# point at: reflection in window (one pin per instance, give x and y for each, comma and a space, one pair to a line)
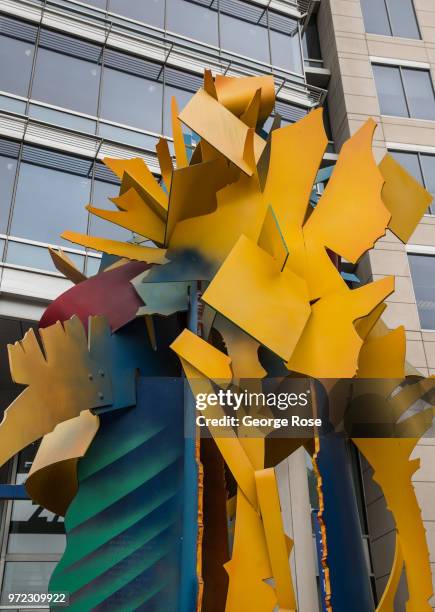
390, 18
421, 166
67, 80
192, 20
131, 100
100, 227
49, 200
423, 279
16, 65
8, 167
149, 11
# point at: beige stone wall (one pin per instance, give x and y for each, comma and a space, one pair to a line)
348, 51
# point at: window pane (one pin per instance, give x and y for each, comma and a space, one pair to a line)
141, 107
148, 11
410, 162
390, 90
8, 166
100, 227
310, 41
31, 256
27, 576
286, 51
403, 19
245, 38
15, 65
66, 81
375, 17
420, 94
33, 529
49, 202
422, 267
428, 166
183, 98
192, 20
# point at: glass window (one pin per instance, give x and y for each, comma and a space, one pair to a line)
390, 18
286, 51
131, 100
100, 227
183, 98
31, 256
16, 65
27, 576
402, 18
192, 20
66, 81
148, 11
246, 38
390, 90
421, 166
310, 41
410, 162
8, 167
423, 279
376, 17
33, 529
428, 167
419, 93
49, 201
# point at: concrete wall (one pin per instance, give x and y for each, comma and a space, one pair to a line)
348, 51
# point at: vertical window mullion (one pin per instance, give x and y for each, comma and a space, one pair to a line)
404, 91
388, 17
268, 37
13, 196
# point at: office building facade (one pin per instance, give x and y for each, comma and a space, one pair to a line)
83, 80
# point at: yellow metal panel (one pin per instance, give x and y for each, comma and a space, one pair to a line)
329, 346
404, 197
236, 93
66, 266
350, 216
220, 128
240, 210
165, 161
121, 249
193, 192
52, 480
251, 114
177, 135
295, 156
133, 214
387, 601
62, 382
393, 472
203, 356
135, 173
270, 305
383, 357
270, 509
271, 239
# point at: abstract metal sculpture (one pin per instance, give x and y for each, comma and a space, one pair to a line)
242, 257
